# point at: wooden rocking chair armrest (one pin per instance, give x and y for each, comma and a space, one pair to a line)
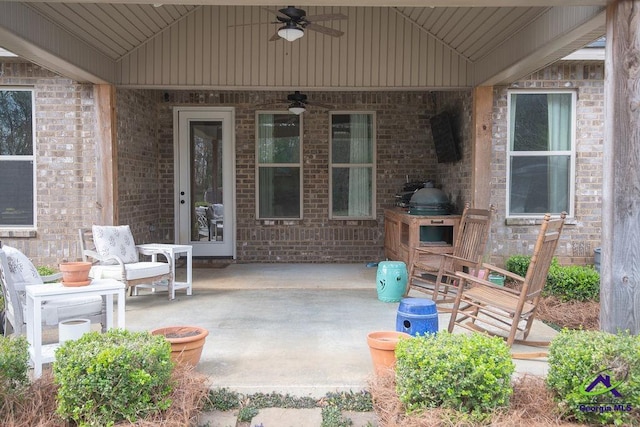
99, 258
425, 251
504, 272
464, 261
478, 281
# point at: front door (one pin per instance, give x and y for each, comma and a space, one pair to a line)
205, 184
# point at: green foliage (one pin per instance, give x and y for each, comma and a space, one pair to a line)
45, 270
351, 401
223, 399
247, 413
14, 365
332, 417
568, 283
576, 358
518, 264
573, 282
468, 373
118, 375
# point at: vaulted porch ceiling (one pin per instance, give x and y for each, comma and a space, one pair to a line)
135, 43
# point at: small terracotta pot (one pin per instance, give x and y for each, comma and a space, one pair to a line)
186, 342
382, 345
75, 273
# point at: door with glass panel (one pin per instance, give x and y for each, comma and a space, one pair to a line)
205, 180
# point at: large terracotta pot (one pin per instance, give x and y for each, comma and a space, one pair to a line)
382, 345
186, 342
75, 273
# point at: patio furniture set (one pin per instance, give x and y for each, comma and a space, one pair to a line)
33, 302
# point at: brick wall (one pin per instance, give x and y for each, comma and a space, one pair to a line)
66, 188
404, 151
582, 234
65, 162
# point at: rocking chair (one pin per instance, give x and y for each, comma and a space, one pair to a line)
503, 311
434, 273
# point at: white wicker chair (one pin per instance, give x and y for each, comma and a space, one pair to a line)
17, 272
115, 255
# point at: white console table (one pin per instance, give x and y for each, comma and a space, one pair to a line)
37, 294
175, 250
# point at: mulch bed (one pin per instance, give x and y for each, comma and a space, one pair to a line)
532, 404
38, 408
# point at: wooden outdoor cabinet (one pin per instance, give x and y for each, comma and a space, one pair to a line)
403, 232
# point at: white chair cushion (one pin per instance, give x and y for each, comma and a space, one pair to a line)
138, 270
115, 240
21, 269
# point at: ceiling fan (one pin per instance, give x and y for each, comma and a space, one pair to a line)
296, 21
298, 102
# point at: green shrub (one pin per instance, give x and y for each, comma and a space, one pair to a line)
573, 283
118, 375
45, 270
568, 283
577, 358
14, 365
468, 373
518, 264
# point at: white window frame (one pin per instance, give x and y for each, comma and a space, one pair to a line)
288, 165
571, 153
371, 165
31, 158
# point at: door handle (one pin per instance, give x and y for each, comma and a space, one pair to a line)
182, 202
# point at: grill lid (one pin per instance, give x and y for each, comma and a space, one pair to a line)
429, 201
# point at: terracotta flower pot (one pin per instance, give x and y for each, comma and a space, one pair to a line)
382, 345
186, 342
75, 273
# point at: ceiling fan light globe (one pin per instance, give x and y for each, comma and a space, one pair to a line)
297, 108
290, 33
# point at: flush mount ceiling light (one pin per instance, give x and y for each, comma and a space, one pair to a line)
290, 32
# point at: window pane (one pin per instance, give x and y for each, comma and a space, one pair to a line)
541, 122
539, 184
16, 131
352, 138
279, 192
351, 192
278, 138
16, 193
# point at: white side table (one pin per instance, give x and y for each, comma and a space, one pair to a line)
175, 250
37, 294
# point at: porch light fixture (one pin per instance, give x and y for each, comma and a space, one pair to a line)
290, 32
297, 108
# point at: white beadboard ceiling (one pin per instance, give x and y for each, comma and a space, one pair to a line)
136, 36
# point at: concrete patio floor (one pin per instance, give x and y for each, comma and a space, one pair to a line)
288, 328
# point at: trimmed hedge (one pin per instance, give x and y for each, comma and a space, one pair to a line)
115, 376
468, 373
568, 283
582, 364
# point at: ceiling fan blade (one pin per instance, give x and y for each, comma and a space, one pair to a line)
275, 37
324, 30
252, 23
326, 17
277, 13
321, 105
